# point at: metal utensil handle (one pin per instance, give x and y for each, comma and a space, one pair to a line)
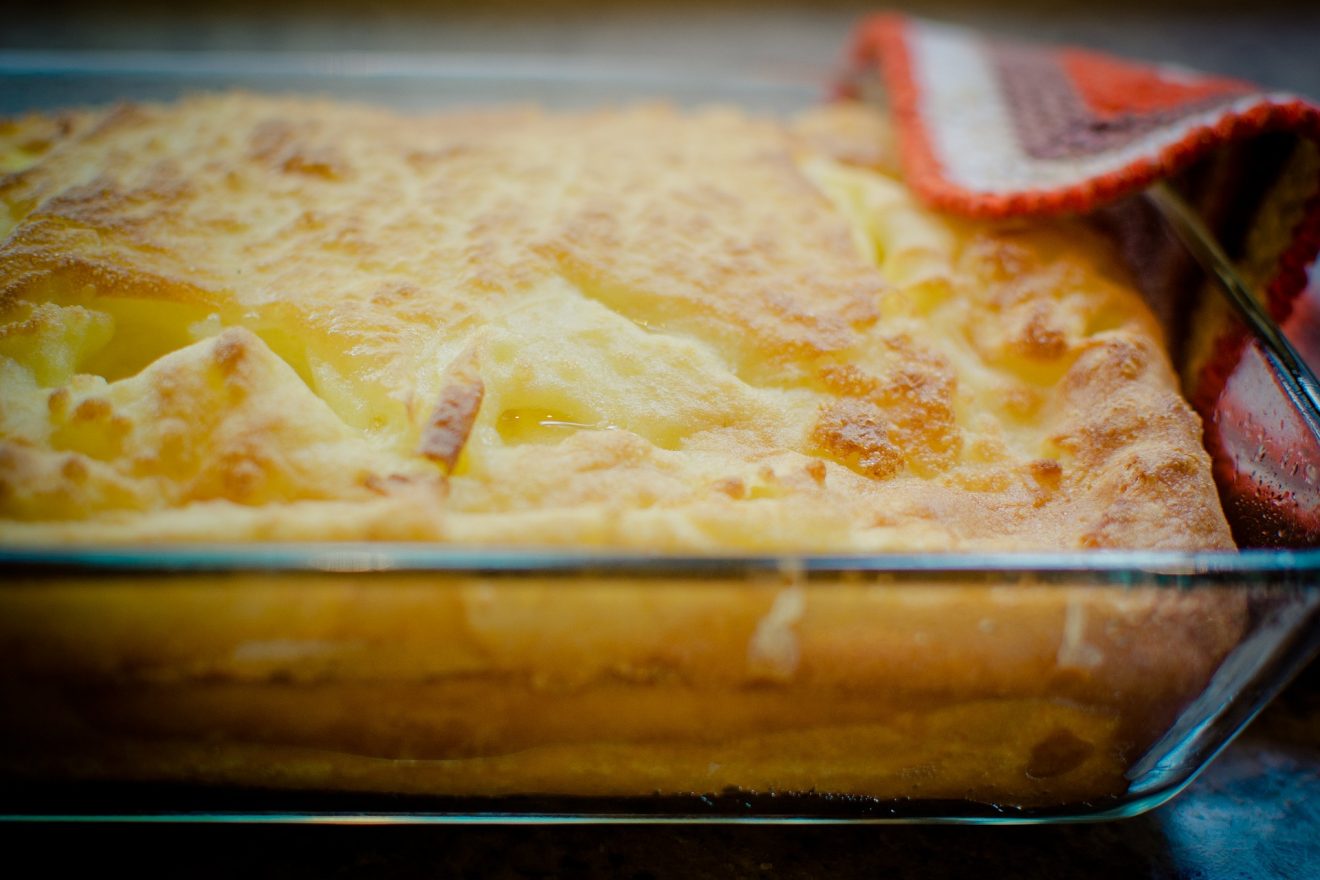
1297, 378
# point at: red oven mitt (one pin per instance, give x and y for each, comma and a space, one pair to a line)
995, 129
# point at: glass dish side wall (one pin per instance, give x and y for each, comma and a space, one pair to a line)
605, 695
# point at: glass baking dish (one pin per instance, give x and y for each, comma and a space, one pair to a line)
412, 683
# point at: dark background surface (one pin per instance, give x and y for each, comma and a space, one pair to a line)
1255, 813
1273, 42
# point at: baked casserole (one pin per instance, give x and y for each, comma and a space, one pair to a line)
241, 318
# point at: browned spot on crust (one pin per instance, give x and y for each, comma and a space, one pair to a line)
1040, 338
1021, 401
1047, 472
451, 423
1108, 365
395, 294
74, 469
385, 485
1140, 486
315, 164
1000, 259
270, 138
230, 349
104, 204
93, 409
281, 145
37, 257
454, 415
1048, 476
914, 399
243, 474
732, 486
58, 402
847, 380
816, 470
856, 435
36, 134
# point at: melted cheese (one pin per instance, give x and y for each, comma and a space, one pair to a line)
243, 318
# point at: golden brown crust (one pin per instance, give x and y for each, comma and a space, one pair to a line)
235, 318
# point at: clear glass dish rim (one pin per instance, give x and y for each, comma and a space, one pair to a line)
363, 66
1147, 567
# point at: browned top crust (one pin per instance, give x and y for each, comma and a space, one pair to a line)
246, 318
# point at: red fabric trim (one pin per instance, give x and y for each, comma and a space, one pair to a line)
1111, 87
881, 41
